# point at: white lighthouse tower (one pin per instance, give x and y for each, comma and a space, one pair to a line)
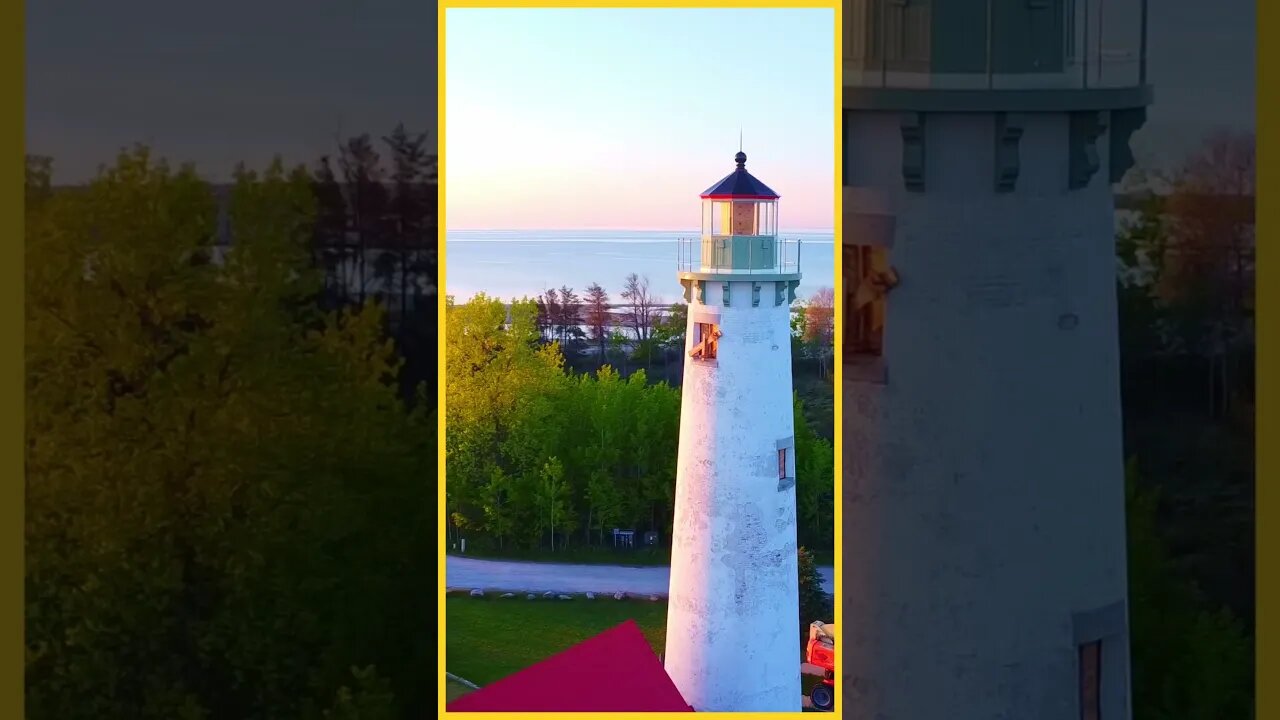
733, 611
984, 571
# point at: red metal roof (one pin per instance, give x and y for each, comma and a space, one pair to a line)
615, 671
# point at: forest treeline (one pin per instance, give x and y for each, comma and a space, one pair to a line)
1187, 334
229, 502
543, 458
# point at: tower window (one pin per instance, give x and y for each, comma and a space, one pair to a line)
1091, 681
786, 448
706, 341
868, 280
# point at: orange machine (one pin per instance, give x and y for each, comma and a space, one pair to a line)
821, 651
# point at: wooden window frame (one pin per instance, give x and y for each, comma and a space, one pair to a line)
870, 223
705, 350
863, 349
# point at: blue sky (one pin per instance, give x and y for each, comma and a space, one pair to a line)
569, 118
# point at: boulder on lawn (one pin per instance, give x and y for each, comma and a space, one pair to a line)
477, 593
504, 596
565, 597
548, 594
530, 596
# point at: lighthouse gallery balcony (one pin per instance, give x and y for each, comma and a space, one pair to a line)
732, 255
1019, 55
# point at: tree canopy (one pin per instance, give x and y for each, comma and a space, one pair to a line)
538, 457
226, 513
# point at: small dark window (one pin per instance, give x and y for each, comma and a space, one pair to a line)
706, 342
782, 463
1091, 681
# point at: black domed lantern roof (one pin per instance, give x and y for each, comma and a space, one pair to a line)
739, 185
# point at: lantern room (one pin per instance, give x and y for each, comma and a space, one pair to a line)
739, 222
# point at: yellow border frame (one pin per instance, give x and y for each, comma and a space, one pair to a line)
1267, 393
836, 7
11, 500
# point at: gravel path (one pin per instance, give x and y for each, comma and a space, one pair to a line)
512, 576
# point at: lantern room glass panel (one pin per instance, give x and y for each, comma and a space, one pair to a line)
729, 217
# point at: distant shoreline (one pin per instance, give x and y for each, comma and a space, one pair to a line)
514, 264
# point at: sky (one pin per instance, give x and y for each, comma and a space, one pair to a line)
216, 83
243, 80
574, 118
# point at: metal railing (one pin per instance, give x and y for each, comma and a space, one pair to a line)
1104, 45
699, 254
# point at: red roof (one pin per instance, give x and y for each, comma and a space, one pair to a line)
615, 671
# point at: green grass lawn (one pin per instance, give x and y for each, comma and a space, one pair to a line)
488, 639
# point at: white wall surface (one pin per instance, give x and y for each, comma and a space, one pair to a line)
983, 482
733, 615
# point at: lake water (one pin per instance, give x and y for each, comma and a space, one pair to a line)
512, 264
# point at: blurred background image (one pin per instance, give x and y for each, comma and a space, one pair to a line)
230, 360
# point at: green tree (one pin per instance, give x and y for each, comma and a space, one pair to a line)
669, 334
1190, 660
815, 604
223, 491
552, 498
815, 497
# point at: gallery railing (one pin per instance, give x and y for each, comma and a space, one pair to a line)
738, 254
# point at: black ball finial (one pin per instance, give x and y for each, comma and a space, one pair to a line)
741, 159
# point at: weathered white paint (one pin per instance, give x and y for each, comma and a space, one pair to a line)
733, 614
983, 479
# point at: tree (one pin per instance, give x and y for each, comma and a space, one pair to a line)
669, 335
1190, 660
570, 317
815, 603
815, 497
597, 319
211, 463
618, 346
412, 208
640, 306
818, 331
798, 325
548, 314
552, 497
367, 200
1207, 272
330, 251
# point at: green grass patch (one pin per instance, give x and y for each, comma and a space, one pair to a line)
489, 639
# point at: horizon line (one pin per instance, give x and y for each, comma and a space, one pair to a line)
617, 229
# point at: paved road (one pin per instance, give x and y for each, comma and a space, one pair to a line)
511, 576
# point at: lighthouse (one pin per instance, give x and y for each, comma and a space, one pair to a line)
733, 609
984, 548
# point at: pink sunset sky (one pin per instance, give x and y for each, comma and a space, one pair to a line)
618, 119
